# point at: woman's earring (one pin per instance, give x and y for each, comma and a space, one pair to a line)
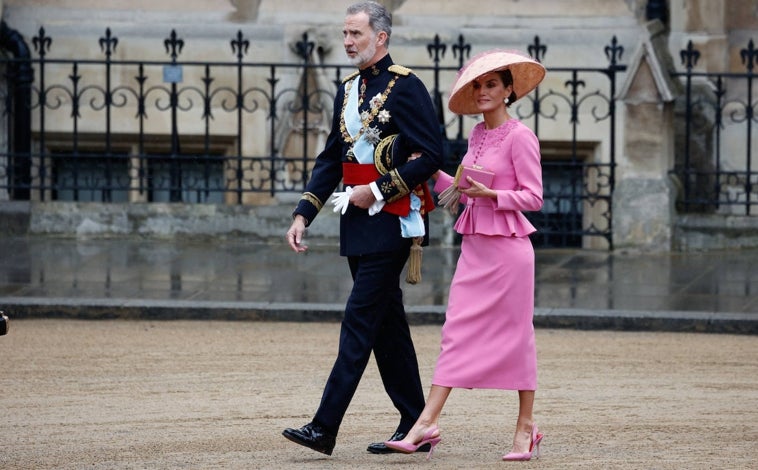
506, 101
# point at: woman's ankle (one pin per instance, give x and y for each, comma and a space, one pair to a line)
524, 423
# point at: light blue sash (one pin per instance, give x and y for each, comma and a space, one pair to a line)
362, 149
412, 225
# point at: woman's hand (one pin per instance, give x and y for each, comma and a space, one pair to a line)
477, 189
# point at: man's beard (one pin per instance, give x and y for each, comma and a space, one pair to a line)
364, 57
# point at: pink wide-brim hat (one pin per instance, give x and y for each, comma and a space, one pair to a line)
527, 74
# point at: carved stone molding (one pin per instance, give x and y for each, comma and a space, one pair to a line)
246, 11
392, 5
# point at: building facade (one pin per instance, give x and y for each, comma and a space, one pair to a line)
170, 117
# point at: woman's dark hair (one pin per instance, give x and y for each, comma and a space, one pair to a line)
507, 78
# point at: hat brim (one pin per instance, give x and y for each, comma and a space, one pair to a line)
527, 74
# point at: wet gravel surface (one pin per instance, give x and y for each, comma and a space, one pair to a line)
191, 394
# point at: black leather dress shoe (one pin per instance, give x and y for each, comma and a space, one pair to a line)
312, 436
3, 324
380, 448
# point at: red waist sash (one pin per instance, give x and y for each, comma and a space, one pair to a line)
357, 173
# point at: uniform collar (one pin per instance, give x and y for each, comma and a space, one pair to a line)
374, 70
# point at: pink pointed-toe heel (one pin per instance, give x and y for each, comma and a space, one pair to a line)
428, 438
534, 448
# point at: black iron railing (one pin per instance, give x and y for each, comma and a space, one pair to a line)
176, 130
714, 159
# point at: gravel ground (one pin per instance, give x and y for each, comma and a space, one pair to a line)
184, 394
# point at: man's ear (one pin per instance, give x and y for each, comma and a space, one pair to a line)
381, 38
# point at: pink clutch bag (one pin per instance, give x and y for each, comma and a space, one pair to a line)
476, 173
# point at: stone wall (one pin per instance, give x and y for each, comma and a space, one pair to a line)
267, 224
260, 223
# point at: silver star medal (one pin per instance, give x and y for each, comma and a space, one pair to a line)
383, 116
372, 135
377, 101
365, 116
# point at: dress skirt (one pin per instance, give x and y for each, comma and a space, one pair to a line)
488, 335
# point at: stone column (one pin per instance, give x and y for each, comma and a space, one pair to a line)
644, 196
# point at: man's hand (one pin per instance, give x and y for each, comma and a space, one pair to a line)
362, 196
295, 234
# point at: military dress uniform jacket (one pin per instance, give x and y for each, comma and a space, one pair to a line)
406, 117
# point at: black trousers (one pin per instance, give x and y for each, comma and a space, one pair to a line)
374, 320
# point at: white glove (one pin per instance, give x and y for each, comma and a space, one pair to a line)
341, 200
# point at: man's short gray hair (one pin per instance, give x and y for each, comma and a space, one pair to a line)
379, 19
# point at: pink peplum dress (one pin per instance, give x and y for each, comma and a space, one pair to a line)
488, 335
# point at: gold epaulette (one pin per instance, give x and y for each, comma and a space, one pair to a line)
400, 70
350, 77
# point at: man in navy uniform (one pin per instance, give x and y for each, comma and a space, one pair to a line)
382, 115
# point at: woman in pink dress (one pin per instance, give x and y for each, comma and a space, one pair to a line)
488, 336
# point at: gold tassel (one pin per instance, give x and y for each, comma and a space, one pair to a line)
414, 262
